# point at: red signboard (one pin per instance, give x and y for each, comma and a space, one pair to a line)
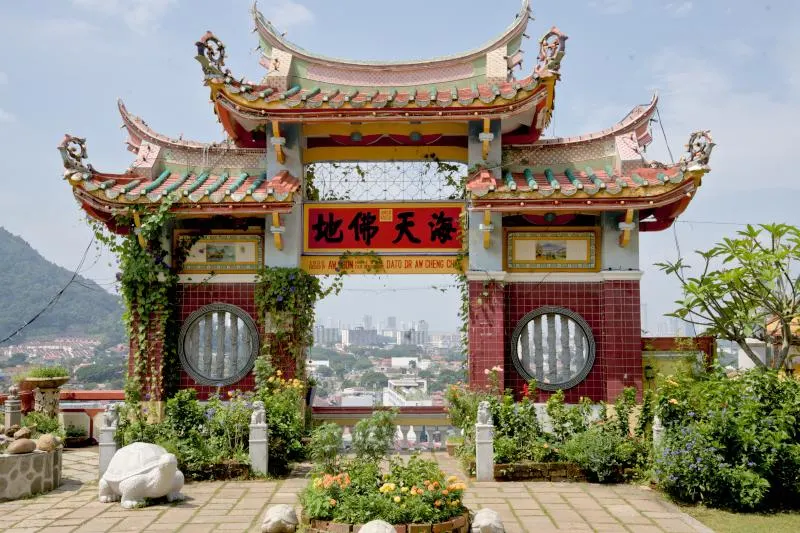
383, 227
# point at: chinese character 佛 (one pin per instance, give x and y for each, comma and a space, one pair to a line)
327, 230
404, 228
364, 227
442, 227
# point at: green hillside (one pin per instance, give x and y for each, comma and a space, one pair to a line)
28, 282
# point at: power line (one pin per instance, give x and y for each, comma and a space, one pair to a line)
55, 298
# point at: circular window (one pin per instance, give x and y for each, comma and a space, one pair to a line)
554, 346
218, 344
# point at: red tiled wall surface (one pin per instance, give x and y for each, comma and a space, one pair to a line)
611, 309
192, 297
487, 342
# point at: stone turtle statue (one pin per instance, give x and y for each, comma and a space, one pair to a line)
138, 471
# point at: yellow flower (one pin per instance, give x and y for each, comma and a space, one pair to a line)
397, 499
671, 382
452, 479
404, 489
545, 445
454, 503
278, 372
673, 401
271, 379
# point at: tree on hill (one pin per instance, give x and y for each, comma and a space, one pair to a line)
747, 288
28, 282
373, 380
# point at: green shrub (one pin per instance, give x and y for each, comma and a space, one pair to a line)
731, 442
76, 432
42, 424
326, 441
603, 453
48, 372
373, 436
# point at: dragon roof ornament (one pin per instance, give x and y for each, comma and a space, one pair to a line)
698, 151
552, 47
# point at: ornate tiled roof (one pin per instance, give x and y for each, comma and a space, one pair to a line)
648, 183
298, 83
212, 191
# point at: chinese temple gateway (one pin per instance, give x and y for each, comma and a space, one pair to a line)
552, 224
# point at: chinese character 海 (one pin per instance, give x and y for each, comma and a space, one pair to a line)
404, 227
442, 228
364, 227
327, 230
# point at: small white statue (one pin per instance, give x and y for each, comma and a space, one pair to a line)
484, 416
259, 415
487, 521
138, 471
279, 518
111, 416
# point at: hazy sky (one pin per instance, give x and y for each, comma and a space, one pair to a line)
726, 65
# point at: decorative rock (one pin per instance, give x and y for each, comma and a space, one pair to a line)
377, 526
24, 433
138, 471
280, 519
21, 446
48, 443
487, 521
11, 430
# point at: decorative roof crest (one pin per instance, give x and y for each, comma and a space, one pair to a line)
551, 51
211, 53
73, 152
698, 151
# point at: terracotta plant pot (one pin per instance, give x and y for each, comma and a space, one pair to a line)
26, 401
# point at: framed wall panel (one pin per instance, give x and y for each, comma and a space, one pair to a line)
563, 249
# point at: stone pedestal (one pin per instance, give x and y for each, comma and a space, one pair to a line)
259, 440
13, 408
484, 452
107, 444
46, 401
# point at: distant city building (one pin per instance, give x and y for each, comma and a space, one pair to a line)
326, 336
409, 363
391, 322
412, 337
357, 397
367, 322
445, 340
422, 325
359, 337
407, 392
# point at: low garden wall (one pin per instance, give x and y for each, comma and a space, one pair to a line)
539, 472
459, 524
29, 473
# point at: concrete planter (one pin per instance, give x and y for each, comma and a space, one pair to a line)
46, 383
459, 524
30, 473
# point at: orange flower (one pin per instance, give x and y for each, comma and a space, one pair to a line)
438, 503
673, 401
445, 492
332, 502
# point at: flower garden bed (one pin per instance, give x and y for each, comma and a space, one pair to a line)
459, 524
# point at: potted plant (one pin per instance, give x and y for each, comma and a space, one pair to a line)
76, 437
47, 377
25, 392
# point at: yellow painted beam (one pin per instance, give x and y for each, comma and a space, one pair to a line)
625, 235
276, 132
278, 237
383, 153
487, 128
317, 129
487, 234
138, 223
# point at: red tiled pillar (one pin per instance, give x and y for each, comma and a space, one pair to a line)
487, 341
622, 337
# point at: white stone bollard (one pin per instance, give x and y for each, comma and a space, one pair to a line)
107, 444
13, 409
484, 444
658, 432
259, 439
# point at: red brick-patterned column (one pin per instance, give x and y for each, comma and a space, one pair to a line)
583, 298
487, 339
622, 337
192, 297
153, 356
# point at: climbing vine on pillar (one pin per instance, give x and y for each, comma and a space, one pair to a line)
148, 285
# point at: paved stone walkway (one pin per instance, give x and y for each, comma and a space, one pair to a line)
238, 506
